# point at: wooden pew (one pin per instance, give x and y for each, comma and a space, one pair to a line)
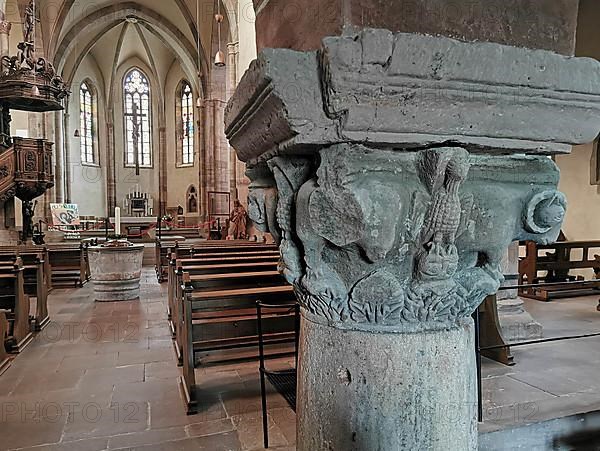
162, 252
221, 261
219, 314
69, 264
4, 357
14, 299
556, 261
196, 267
35, 275
200, 251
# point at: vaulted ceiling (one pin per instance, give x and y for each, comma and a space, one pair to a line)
158, 32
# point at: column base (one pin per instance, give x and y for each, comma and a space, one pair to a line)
516, 323
386, 391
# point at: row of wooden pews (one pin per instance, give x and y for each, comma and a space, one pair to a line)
27, 273
212, 305
162, 254
552, 264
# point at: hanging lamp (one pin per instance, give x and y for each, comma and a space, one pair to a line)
220, 56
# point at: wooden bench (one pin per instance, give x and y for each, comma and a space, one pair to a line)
196, 267
163, 250
556, 261
69, 264
4, 356
14, 300
232, 248
219, 314
36, 277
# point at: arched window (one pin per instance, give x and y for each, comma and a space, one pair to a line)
136, 99
185, 124
87, 104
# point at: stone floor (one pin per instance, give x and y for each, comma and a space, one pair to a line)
549, 380
104, 377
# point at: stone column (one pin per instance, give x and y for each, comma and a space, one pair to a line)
162, 174
516, 323
404, 165
58, 158
111, 186
232, 53
4, 37
67, 153
215, 171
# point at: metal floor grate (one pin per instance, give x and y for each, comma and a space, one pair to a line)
285, 384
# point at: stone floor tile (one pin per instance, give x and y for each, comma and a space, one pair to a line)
209, 427
227, 441
95, 421
27, 426
249, 429
161, 370
147, 438
97, 444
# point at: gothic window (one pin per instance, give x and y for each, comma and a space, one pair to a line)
136, 99
87, 125
185, 125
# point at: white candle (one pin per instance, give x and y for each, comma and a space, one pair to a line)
117, 221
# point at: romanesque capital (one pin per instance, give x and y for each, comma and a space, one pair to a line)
403, 241
400, 167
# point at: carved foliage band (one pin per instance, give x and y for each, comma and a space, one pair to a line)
406, 240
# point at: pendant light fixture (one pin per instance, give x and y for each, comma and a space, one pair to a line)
220, 56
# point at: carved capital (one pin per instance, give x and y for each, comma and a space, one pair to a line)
402, 166
404, 241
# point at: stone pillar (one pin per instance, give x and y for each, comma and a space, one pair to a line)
232, 54
516, 323
111, 186
162, 174
404, 165
4, 37
58, 158
215, 172
67, 153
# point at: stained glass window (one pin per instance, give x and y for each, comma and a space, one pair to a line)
136, 93
187, 124
86, 102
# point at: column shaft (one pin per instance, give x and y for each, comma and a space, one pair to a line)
382, 392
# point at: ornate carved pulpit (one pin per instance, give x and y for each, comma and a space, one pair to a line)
27, 83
